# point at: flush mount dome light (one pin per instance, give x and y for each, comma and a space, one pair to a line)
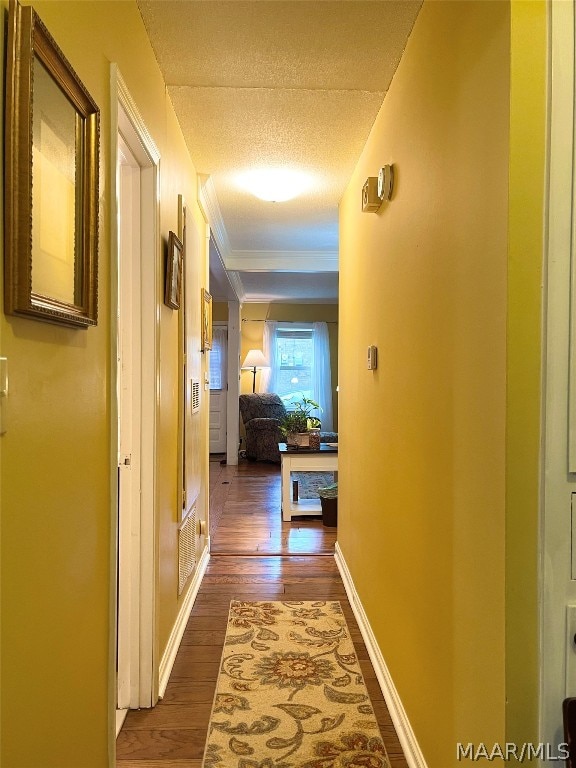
275, 184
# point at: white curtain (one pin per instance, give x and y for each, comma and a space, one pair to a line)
218, 361
269, 348
322, 375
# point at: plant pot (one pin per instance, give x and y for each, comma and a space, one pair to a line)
300, 439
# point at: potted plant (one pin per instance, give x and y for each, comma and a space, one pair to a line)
295, 425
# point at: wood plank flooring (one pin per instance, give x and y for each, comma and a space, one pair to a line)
262, 565
246, 519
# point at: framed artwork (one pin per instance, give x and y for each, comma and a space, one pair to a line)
51, 153
206, 320
174, 261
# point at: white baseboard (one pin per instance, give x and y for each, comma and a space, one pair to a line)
120, 717
169, 656
412, 751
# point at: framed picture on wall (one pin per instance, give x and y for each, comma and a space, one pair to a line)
206, 320
51, 152
173, 272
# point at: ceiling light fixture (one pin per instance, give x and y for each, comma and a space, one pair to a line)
275, 184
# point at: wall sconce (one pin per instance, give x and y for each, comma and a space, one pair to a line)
376, 189
254, 359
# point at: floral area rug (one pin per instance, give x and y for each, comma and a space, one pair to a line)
290, 693
309, 482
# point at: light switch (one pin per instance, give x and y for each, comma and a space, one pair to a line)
372, 358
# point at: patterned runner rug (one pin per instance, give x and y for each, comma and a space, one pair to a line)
290, 693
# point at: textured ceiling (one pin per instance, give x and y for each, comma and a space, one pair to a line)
269, 83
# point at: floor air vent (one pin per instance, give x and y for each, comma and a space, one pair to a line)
186, 549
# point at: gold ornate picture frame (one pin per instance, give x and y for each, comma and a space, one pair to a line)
206, 320
51, 171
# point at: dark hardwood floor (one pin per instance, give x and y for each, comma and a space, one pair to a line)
254, 557
245, 515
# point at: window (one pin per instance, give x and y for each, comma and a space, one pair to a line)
295, 359
299, 356
218, 358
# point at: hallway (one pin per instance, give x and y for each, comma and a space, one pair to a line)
245, 515
172, 734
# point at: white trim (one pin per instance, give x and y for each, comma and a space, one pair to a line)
237, 285
412, 751
558, 447
129, 105
210, 207
120, 717
169, 655
114, 406
218, 269
282, 261
126, 118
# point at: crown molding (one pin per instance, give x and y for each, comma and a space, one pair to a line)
221, 275
236, 283
282, 261
208, 202
134, 117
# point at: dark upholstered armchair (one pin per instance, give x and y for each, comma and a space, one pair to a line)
261, 414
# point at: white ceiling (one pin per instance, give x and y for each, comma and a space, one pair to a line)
270, 83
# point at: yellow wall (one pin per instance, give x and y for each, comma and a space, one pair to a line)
527, 160
422, 503
56, 515
219, 311
253, 317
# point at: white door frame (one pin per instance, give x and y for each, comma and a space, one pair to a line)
141, 561
557, 654
129, 419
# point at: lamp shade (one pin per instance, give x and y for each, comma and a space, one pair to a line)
255, 359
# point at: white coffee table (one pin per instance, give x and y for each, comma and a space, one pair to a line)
304, 460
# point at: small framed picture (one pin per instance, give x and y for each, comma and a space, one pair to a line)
206, 320
174, 261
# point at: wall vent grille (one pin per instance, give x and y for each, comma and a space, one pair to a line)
195, 395
186, 549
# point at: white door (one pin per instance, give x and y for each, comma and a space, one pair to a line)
218, 388
129, 415
558, 523
134, 299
